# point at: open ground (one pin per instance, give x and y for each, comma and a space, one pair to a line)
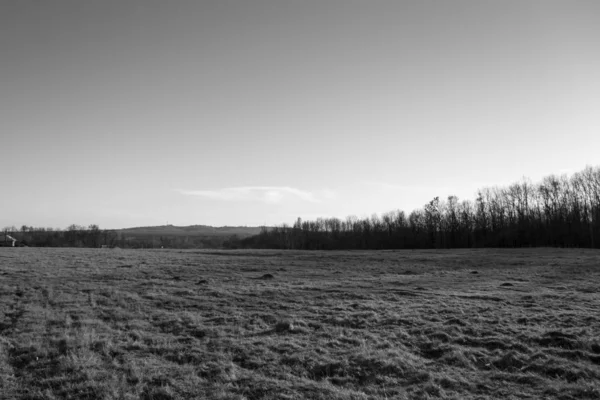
173, 324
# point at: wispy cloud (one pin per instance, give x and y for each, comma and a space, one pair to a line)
267, 194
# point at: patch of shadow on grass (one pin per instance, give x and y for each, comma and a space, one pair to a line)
354, 321
178, 327
487, 343
559, 339
408, 272
219, 371
157, 393
456, 358
13, 318
265, 277
22, 358
454, 384
554, 368
405, 293
283, 327
188, 356
455, 321
479, 297
511, 361
588, 289
363, 370
529, 379
441, 336
433, 350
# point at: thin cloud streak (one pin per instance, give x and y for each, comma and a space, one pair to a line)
267, 194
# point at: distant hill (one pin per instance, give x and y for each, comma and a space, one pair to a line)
192, 230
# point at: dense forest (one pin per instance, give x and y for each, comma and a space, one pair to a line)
558, 211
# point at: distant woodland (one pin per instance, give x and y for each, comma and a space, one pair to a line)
559, 211
169, 236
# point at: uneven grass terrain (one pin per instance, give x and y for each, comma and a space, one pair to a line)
172, 324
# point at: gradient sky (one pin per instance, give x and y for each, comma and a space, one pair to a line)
250, 112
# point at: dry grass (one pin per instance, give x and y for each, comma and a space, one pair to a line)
461, 324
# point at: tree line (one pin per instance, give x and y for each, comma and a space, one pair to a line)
92, 236
73, 236
559, 211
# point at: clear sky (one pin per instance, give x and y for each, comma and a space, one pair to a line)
134, 113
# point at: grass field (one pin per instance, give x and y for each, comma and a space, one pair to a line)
172, 324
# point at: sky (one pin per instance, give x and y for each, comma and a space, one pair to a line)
127, 113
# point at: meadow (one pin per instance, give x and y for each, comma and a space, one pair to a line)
188, 324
